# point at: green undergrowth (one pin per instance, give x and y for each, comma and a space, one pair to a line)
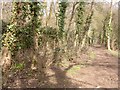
18, 66
64, 64
114, 53
91, 55
74, 69
83, 65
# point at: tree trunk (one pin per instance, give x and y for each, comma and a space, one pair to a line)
113, 44
108, 43
50, 13
72, 15
109, 29
87, 25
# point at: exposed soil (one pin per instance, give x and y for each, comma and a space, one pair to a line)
99, 70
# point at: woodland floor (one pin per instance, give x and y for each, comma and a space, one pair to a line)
98, 68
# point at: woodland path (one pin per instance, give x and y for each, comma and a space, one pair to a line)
102, 72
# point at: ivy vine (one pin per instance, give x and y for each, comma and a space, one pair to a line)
61, 17
80, 19
20, 34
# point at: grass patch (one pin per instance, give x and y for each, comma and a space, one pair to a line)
74, 69
64, 63
18, 66
82, 65
114, 53
92, 55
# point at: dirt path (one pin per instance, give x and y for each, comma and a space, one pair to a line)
100, 70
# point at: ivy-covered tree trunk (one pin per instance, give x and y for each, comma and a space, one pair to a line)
61, 17
34, 24
79, 24
107, 29
79, 21
9, 39
23, 29
37, 62
87, 25
61, 32
104, 37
